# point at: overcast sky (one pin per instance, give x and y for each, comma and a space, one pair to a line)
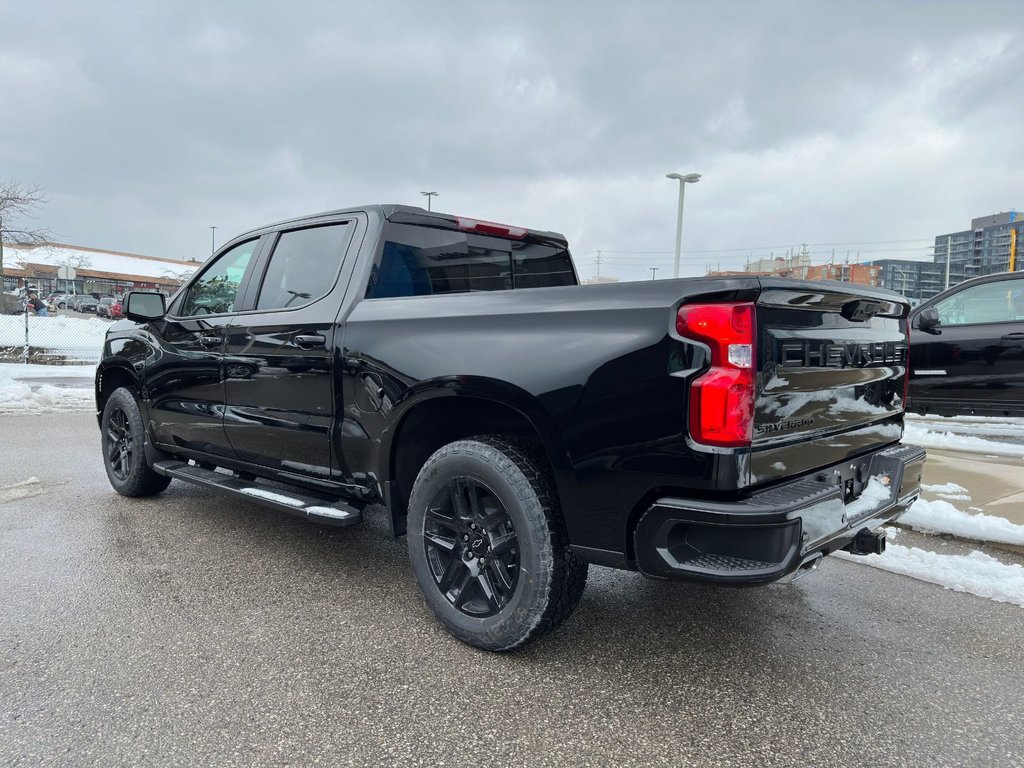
820, 123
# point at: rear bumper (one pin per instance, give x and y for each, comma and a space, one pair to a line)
773, 534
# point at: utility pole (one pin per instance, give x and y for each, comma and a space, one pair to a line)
598, 260
949, 256
213, 240
429, 195
653, 271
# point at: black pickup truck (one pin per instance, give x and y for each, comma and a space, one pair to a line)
515, 425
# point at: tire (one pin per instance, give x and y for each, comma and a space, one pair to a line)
512, 578
122, 436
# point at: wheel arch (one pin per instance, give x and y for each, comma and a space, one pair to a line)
447, 411
110, 375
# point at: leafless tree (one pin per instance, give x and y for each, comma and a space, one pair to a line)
18, 201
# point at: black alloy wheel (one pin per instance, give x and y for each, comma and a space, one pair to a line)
119, 444
471, 547
123, 440
488, 544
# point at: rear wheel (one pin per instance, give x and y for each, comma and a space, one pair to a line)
123, 437
488, 545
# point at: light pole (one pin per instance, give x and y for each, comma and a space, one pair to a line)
690, 178
213, 240
429, 195
654, 273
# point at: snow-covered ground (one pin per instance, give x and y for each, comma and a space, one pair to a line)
963, 437
74, 338
975, 573
24, 389
940, 516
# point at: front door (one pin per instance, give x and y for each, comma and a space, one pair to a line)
976, 358
185, 380
279, 367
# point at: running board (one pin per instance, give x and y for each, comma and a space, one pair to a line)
336, 513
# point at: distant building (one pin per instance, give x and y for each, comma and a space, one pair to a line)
861, 274
799, 268
918, 280
599, 280
96, 270
984, 249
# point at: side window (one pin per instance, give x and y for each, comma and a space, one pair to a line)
541, 266
303, 266
989, 303
215, 291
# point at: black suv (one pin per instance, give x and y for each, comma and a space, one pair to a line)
967, 349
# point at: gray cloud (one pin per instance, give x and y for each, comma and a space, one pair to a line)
812, 122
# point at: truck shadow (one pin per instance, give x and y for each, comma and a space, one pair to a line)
364, 573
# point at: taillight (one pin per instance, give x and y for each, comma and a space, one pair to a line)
722, 400
490, 228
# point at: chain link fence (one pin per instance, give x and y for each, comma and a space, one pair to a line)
62, 337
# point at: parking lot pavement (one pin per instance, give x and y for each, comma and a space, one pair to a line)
994, 484
194, 629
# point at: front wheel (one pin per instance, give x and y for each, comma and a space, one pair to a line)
123, 438
488, 545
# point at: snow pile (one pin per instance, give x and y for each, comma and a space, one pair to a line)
950, 491
22, 490
983, 426
74, 337
21, 394
920, 435
976, 573
875, 493
942, 517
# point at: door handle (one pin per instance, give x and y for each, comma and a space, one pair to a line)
1013, 337
209, 341
308, 340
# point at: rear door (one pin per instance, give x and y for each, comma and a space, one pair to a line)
975, 356
279, 360
185, 381
831, 375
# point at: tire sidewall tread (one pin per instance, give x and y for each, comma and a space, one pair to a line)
141, 480
551, 579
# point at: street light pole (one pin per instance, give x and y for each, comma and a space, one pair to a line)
654, 271
690, 178
429, 195
213, 240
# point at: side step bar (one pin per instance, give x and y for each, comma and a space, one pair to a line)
336, 513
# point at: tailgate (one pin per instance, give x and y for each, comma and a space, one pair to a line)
831, 363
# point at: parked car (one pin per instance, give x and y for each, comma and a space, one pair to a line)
967, 349
86, 303
110, 307
515, 425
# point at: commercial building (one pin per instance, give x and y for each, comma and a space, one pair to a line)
96, 271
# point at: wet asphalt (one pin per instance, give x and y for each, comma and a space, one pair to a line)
195, 629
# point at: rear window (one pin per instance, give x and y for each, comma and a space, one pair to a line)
418, 261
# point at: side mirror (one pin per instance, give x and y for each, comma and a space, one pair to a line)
928, 320
144, 307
